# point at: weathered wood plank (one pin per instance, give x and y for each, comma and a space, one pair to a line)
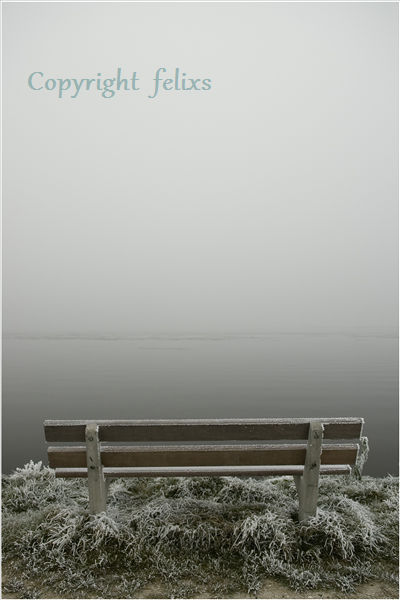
196, 456
307, 485
339, 454
188, 456
205, 471
203, 430
74, 456
97, 485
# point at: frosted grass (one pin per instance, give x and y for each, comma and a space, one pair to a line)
189, 533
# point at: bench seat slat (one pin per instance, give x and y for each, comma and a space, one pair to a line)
192, 456
247, 471
190, 430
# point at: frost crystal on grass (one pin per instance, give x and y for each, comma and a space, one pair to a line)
225, 533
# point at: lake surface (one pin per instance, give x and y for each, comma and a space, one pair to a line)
199, 376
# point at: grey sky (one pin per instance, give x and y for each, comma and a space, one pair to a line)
266, 203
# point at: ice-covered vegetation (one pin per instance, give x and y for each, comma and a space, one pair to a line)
224, 534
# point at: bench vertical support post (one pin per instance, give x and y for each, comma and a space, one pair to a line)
307, 485
97, 485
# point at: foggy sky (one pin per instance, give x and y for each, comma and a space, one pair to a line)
266, 203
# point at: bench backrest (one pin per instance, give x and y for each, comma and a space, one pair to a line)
182, 451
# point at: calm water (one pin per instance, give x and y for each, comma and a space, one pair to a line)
183, 376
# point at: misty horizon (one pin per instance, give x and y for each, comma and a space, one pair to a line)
393, 331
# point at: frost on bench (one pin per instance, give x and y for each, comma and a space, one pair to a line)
98, 486
305, 461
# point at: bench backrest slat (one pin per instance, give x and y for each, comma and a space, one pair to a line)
187, 456
251, 471
203, 430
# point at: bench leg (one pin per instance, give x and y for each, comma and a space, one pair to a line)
98, 486
307, 485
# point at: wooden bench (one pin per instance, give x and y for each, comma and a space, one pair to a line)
184, 453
